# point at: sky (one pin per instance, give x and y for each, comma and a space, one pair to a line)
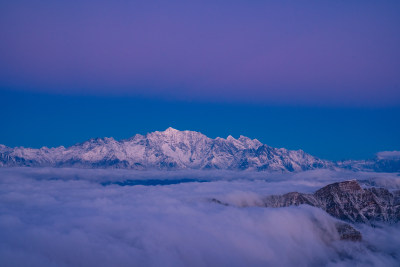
322, 76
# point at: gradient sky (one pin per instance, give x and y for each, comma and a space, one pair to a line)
323, 76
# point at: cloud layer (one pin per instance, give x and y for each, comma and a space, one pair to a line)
388, 155
65, 217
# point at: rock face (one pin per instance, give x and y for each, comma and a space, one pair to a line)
347, 201
348, 232
167, 150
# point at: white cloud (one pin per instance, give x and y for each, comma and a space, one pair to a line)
65, 217
388, 155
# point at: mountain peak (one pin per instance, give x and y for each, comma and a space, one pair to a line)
230, 138
347, 201
171, 130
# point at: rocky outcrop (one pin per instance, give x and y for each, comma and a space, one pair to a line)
346, 201
348, 232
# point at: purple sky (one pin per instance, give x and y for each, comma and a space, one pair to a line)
337, 53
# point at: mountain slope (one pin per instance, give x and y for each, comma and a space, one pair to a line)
347, 201
169, 149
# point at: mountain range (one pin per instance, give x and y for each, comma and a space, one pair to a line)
175, 150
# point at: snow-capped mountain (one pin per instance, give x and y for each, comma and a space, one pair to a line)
169, 149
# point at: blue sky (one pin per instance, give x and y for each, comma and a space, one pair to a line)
42, 119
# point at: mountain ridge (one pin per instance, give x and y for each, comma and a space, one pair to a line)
174, 150
347, 201
169, 149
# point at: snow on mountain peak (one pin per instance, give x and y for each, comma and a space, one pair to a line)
169, 149
171, 130
230, 138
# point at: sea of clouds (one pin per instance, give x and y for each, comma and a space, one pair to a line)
78, 217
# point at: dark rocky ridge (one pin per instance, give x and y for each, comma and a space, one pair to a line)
346, 201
